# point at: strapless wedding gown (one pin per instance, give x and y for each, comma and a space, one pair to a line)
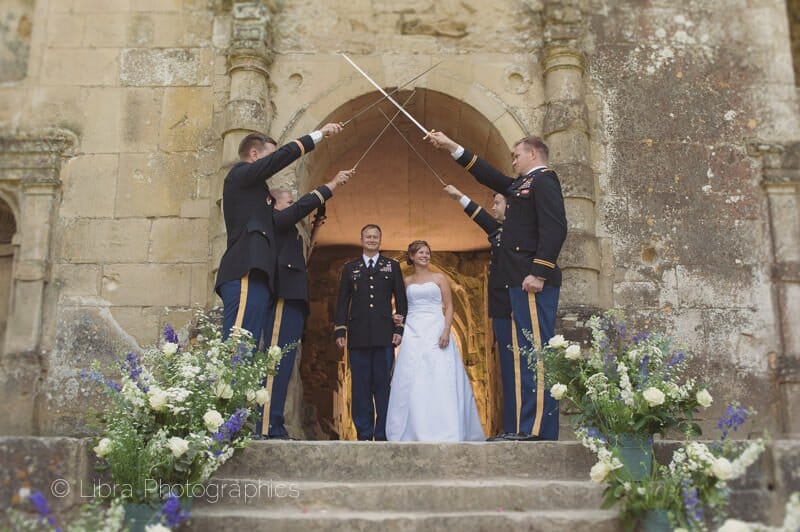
431, 396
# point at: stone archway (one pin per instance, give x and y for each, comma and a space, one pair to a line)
8, 228
395, 189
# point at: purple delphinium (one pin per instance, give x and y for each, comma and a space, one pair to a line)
39, 502
172, 512
228, 430
643, 369
96, 376
170, 335
691, 503
133, 367
733, 418
594, 433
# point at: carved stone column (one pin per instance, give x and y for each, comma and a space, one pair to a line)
566, 131
249, 108
29, 183
781, 181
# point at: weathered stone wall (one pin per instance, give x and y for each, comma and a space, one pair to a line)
677, 91
654, 110
139, 83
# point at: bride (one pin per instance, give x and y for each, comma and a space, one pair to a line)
431, 397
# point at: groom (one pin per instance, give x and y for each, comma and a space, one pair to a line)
364, 324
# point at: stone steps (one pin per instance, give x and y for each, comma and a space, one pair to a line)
416, 461
489, 495
335, 485
237, 519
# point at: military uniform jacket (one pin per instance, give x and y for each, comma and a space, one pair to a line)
248, 213
292, 277
364, 305
536, 222
499, 300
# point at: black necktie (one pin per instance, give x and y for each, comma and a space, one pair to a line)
371, 265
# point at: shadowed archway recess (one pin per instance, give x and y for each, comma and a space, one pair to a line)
396, 190
393, 187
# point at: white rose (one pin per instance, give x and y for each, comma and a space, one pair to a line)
158, 399
734, 525
722, 468
158, 527
558, 390
704, 398
250, 395
557, 341
262, 396
274, 352
599, 472
573, 352
223, 390
178, 446
653, 396
213, 420
103, 447
169, 348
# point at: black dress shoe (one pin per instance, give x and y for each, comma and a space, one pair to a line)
521, 436
501, 437
281, 437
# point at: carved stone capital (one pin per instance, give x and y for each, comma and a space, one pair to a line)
251, 31
563, 57
780, 162
33, 158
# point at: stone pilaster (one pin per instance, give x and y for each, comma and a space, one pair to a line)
781, 182
566, 131
30, 164
249, 108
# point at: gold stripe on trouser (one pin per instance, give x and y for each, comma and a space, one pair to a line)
276, 330
517, 374
242, 301
537, 341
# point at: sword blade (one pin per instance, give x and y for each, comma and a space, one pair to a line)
408, 115
395, 91
421, 158
391, 123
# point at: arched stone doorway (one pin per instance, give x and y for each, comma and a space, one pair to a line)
395, 189
8, 228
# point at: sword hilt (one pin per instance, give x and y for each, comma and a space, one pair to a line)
432, 131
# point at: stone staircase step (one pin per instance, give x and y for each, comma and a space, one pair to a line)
222, 519
392, 461
412, 496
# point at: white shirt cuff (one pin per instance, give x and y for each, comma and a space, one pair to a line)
316, 136
458, 152
464, 201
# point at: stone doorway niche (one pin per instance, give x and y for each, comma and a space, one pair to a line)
396, 190
8, 228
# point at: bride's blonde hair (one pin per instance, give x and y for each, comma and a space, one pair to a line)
413, 247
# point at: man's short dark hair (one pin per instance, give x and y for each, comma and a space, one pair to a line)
254, 140
537, 144
371, 226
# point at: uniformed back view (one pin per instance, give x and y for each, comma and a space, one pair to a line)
364, 324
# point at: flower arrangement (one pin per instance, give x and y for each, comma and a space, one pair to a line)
180, 411
94, 516
692, 488
626, 383
91, 516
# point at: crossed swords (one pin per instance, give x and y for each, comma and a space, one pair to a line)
400, 109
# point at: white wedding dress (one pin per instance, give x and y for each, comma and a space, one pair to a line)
431, 397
